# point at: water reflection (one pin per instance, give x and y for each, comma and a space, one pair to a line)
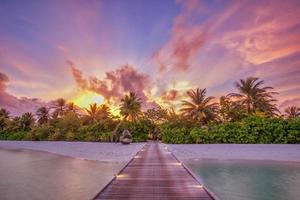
38, 175
249, 180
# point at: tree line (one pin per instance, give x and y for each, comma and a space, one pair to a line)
63, 120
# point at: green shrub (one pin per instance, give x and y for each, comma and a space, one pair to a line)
293, 127
70, 136
252, 129
105, 136
16, 136
3, 134
176, 135
139, 129
56, 136
39, 133
91, 138
200, 135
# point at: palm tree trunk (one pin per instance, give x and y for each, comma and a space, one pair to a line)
114, 133
248, 107
249, 101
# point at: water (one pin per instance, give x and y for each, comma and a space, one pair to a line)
37, 175
249, 180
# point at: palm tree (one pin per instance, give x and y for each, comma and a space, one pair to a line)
4, 113
103, 111
93, 112
292, 112
254, 96
131, 106
71, 107
26, 121
130, 109
4, 118
59, 106
43, 115
173, 117
200, 108
15, 124
157, 114
231, 110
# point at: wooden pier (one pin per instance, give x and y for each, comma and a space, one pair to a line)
154, 173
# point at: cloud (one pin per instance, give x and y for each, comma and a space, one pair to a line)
78, 76
6, 99
270, 32
225, 48
290, 102
185, 40
210, 44
269, 43
15, 105
3, 80
169, 95
62, 49
115, 83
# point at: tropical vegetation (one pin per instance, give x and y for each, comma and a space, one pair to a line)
249, 115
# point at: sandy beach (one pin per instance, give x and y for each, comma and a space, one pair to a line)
108, 152
275, 152
115, 152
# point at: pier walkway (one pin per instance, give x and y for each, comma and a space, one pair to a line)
154, 173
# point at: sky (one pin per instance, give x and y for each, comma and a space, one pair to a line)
89, 50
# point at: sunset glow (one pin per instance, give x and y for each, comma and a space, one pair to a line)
104, 49
114, 110
86, 98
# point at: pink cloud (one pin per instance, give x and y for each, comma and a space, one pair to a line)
77, 75
115, 83
15, 105
184, 42
268, 34
170, 95
62, 48
290, 102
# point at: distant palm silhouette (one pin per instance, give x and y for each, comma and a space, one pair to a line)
200, 107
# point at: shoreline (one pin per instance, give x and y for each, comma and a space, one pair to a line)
94, 151
116, 152
27, 150
254, 152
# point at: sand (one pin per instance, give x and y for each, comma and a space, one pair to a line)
116, 152
107, 152
274, 152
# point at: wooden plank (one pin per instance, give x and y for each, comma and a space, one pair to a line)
154, 173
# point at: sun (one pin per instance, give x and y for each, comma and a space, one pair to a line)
115, 110
84, 99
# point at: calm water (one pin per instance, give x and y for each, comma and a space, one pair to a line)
249, 180
38, 175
